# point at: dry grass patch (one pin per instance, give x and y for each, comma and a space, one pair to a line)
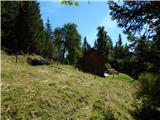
61, 92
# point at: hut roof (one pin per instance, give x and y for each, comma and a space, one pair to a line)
92, 50
93, 62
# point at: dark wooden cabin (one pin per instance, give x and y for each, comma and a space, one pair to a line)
93, 62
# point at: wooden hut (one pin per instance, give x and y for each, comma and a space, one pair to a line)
93, 62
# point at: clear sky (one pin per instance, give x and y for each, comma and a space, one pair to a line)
87, 17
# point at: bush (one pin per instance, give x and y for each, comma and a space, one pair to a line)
101, 112
149, 88
149, 95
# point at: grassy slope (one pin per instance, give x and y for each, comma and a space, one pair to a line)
60, 92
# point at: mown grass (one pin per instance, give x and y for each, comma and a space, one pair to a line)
61, 92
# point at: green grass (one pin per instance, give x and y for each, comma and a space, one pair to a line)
61, 92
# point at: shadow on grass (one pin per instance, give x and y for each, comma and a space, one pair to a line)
101, 112
146, 113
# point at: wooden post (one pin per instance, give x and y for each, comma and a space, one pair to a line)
113, 74
16, 56
57, 58
94, 74
16, 51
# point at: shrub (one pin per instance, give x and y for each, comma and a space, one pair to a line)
101, 112
149, 88
149, 95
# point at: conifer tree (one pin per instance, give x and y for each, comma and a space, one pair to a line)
86, 46
58, 42
50, 47
119, 41
142, 18
29, 28
9, 12
121, 56
118, 49
71, 43
103, 42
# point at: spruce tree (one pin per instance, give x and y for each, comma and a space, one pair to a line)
50, 48
49, 32
119, 41
137, 16
121, 57
58, 42
86, 45
140, 18
118, 49
103, 42
29, 28
9, 12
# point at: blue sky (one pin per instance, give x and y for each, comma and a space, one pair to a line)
87, 17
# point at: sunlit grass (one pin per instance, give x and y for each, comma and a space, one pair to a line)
60, 92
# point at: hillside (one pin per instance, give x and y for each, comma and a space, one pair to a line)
61, 92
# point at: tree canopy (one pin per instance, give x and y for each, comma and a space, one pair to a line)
138, 17
24, 31
141, 22
103, 44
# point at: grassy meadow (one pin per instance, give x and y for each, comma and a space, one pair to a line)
61, 93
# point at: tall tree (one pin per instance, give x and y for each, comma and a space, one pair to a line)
85, 46
138, 16
142, 56
118, 49
29, 28
142, 18
49, 44
119, 41
72, 41
58, 42
49, 32
121, 57
103, 42
9, 12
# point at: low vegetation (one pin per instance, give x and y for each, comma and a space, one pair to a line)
148, 93
62, 92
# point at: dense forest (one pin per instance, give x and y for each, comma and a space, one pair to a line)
141, 22
23, 32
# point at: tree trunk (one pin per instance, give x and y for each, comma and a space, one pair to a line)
58, 57
16, 51
16, 56
63, 54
